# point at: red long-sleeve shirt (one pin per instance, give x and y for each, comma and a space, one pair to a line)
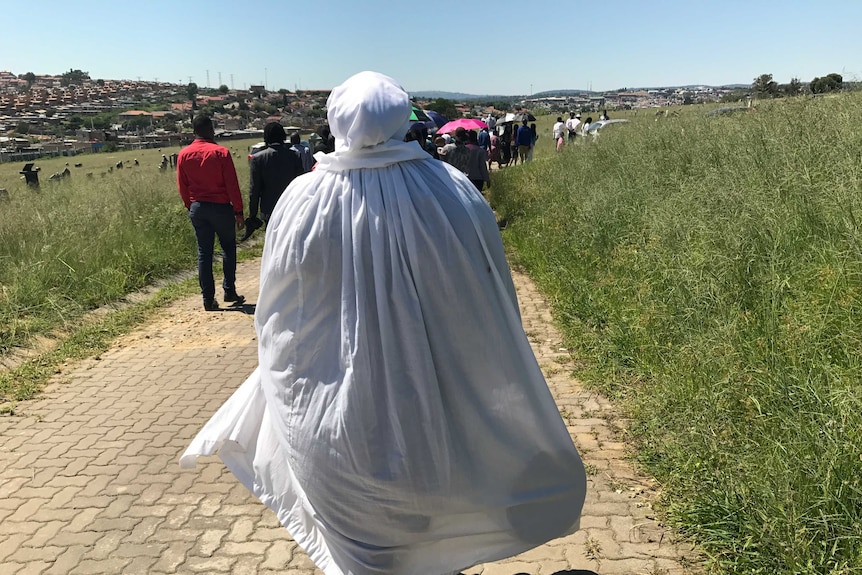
205, 173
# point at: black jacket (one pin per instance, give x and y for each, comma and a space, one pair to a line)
271, 170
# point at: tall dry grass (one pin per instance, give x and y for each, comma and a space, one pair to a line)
709, 273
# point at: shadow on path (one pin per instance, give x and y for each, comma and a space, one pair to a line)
246, 308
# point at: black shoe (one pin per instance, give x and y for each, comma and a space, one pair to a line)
232, 296
211, 305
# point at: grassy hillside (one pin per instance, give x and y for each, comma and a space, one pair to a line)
708, 271
73, 245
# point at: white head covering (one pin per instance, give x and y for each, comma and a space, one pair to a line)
366, 110
398, 422
369, 114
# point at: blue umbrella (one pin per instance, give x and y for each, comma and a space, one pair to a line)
439, 121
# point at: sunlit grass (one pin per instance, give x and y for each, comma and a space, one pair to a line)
708, 271
74, 245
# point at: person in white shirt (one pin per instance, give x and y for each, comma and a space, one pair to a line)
559, 133
572, 125
492, 122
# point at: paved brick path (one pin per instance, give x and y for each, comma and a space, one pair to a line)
89, 479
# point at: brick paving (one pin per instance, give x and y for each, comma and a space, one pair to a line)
90, 481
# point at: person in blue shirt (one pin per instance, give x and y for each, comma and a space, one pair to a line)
525, 140
484, 140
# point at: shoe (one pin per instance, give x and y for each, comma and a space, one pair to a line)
211, 305
232, 296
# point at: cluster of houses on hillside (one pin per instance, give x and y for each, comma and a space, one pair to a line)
629, 99
49, 114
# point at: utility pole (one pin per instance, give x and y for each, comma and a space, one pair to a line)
208, 78
264, 78
219, 79
190, 79
231, 81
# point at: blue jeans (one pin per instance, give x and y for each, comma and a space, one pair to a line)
210, 220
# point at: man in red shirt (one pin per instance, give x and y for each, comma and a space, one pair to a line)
209, 187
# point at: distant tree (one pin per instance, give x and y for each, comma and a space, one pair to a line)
103, 120
49, 113
139, 123
223, 89
794, 88
734, 96
74, 122
192, 94
30, 77
100, 82
764, 86
829, 83
22, 128
444, 107
73, 77
283, 93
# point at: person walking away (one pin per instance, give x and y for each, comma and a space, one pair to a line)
559, 132
494, 154
206, 178
398, 422
513, 146
572, 125
506, 145
477, 168
491, 121
458, 155
302, 151
525, 140
604, 116
535, 137
270, 171
484, 139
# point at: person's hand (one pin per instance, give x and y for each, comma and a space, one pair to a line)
240, 221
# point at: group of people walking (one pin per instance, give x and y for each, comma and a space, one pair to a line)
208, 185
513, 143
573, 127
474, 153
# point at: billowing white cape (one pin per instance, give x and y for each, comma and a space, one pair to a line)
398, 422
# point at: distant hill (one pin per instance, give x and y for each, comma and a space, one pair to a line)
432, 94
459, 96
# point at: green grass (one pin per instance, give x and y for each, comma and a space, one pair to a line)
708, 270
75, 245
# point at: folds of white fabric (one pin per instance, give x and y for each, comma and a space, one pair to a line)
398, 422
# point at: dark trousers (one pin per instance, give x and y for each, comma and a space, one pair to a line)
210, 220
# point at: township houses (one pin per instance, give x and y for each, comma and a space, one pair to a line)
135, 114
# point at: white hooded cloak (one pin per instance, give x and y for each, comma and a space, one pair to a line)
398, 422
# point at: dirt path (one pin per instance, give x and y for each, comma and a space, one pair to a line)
89, 479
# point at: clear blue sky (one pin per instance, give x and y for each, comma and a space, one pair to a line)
474, 46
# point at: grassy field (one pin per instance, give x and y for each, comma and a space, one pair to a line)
708, 271
74, 245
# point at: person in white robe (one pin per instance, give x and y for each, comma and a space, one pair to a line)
398, 422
